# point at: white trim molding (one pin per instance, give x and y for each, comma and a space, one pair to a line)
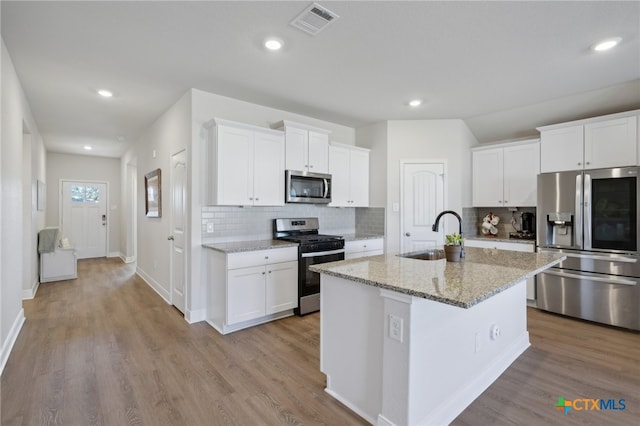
7, 345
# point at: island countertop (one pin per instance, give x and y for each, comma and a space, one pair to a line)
480, 275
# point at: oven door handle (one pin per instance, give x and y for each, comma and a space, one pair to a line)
322, 253
326, 188
591, 278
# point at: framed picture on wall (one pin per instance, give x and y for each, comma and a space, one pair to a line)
153, 194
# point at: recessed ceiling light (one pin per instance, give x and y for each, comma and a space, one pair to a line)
88, 147
415, 103
273, 44
105, 93
607, 44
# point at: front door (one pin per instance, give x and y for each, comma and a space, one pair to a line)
422, 200
178, 229
84, 217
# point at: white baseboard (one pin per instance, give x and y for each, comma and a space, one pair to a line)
460, 400
195, 315
114, 254
128, 259
7, 345
153, 284
355, 409
30, 293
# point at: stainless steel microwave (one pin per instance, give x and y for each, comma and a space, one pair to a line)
307, 187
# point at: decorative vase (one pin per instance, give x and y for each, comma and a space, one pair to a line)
452, 253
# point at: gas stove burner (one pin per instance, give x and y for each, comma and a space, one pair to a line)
522, 235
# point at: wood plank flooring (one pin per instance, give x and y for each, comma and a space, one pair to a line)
106, 349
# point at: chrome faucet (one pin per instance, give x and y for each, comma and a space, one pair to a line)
434, 228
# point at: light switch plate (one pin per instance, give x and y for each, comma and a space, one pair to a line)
209, 227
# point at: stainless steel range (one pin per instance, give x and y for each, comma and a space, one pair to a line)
314, 248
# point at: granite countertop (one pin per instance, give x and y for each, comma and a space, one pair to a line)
357, 236
240, 246
480, 275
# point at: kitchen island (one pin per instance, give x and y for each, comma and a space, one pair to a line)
412, 342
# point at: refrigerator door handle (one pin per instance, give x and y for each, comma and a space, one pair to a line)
586, 212
605, 258
611, 280
577, 228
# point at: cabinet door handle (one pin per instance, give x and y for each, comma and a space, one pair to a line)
408, 234
579, 163
263, 273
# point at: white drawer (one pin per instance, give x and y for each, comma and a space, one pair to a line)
364, 245
248, 259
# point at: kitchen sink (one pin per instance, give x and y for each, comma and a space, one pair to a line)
430, 254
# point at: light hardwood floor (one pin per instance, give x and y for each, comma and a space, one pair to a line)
106, 349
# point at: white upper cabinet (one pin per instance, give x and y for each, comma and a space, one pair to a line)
349, 169
506, 175
595, 143
307, 147
245, 165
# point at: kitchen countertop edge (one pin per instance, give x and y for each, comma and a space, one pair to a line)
254, 245
495, 289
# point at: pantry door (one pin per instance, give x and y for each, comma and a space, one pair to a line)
178, 225
84, 217
422, 199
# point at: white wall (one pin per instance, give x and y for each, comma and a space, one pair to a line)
374, 137
428, 139
84, 168
169, 134
16, 118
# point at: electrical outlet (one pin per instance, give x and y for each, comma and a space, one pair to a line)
495, 332
209, 227
395, 328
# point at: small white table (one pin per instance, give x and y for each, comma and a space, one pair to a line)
61, 264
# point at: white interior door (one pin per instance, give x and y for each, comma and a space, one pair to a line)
84, 217
422, 200
178, 229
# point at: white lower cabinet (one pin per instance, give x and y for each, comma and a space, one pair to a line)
504, 245
250, 288
362, 248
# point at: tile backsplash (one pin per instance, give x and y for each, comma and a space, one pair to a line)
256, 223
472, 220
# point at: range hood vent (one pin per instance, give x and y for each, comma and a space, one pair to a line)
314, 19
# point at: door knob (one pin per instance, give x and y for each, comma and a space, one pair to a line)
408, 234
170, 238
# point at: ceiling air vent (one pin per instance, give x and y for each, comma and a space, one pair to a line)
314, 19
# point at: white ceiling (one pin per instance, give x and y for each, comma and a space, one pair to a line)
503, 67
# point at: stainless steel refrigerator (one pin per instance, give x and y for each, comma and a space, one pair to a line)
591, 216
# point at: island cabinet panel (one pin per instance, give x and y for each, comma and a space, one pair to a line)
398, 359
307, 147
250, 288
362, 248
595, 143
245, 165
506, 175
349, 169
